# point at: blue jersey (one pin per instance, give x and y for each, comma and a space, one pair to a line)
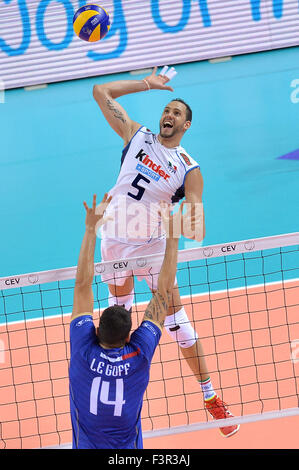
107, 386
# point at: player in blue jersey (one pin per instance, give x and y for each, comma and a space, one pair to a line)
109, 368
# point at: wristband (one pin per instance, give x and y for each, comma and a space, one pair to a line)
144, 80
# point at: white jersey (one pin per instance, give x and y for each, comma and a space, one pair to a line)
149, 173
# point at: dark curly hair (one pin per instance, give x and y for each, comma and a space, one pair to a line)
115, 325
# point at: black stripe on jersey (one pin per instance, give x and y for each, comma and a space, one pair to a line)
178, 195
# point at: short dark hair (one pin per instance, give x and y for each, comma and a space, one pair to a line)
188, 109
115, 325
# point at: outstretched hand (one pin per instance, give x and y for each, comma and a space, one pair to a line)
158, 82
95, 215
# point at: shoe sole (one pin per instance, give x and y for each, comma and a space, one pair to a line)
231, 433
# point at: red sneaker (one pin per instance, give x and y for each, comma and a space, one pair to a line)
218, 409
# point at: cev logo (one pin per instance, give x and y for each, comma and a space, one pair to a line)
13, 281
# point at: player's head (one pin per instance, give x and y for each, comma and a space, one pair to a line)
114, 326
176, 118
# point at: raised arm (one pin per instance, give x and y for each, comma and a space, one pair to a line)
107, 94
157, 309
83, 294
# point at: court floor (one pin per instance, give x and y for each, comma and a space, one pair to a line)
246, 340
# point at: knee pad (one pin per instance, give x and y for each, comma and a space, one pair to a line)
180, 329
125, 301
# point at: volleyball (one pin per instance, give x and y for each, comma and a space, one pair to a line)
91, 22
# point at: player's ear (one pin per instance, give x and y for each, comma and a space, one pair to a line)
187, 125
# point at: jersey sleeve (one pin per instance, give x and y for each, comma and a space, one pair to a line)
82, 332
147, 337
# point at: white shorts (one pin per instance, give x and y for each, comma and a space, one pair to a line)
115, 250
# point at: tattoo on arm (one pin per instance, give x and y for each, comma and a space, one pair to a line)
157, 309
117, 113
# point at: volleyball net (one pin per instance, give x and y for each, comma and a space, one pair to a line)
241, 297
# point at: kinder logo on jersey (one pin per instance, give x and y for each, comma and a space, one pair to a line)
186, 159
156, 171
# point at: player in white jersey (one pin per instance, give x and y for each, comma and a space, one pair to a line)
150, 173
154, 167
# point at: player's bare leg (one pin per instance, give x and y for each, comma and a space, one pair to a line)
125, 289
180, 328
122, 295
194, 354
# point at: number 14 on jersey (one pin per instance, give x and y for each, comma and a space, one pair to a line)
101, 388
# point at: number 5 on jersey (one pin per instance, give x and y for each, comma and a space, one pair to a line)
136, 185
101, 386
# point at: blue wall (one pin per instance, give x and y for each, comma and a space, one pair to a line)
57, 150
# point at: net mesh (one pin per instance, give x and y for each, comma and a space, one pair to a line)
242, 299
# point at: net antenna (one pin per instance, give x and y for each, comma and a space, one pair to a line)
242, 299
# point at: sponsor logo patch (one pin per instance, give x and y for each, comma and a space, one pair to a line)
172, 167
150, 327
84, 320
156, 170
186, 159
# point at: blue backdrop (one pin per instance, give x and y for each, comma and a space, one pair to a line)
57, 150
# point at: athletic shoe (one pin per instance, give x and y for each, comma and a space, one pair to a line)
218, 409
